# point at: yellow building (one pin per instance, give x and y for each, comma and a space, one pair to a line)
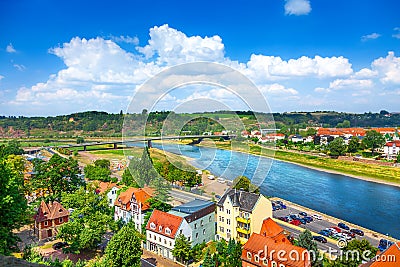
240, 213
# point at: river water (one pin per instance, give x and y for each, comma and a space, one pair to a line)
368, 204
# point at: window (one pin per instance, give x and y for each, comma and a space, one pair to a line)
201, 223
152, 225
221, 229
149, 235
228, 221
159, 239
160, 228
60, 220
221, 209
221, 219
46, 223
180, 232
195, 226
249, 255
204, 231
155, 238
273, 264
228, 211
256, 258
165, 241
167, 231
265, 262
189, 238
228, 231
197, 235
170, 243
281, 265
209, 218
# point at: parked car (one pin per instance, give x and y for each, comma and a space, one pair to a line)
317, 216
357, 231
282, 206
332, 231
294, 216
303, 221
303, 213
59, 245
351, 234
345, 236
324, 233
343, 226
337, 229
283, 219
384, 244
320, 238
308, 219
295, 222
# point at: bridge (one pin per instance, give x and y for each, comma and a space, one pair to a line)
149, 140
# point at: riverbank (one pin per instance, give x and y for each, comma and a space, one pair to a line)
367, 172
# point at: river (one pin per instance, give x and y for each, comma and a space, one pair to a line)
371, 205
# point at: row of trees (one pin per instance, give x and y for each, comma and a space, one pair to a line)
99, 171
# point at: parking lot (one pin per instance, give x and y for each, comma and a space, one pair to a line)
316, 225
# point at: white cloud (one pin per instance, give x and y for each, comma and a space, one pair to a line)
277, 89
322, 90
19, 67
125, 39
388, 68
171, 47
397, 34
365, 73
266, 68
10, 48
297, 7
371, 36
350, 84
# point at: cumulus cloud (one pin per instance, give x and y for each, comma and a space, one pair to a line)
297, 7
170, 46
371, 36
388, 68
350, 84
10, 48
277, 89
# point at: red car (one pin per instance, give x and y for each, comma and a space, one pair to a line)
337, 229
295, 222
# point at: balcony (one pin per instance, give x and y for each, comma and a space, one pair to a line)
242, 240
242, 220
245, 231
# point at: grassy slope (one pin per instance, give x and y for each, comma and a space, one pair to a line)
382, 173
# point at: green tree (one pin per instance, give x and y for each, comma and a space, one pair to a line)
124, 248
222, 255
93, 172
12, 148
57, 175
354, 145
161, 189
128, 179
80, 140
234, 250
208, 259
142, 169
89, 221
373, 140
398, 158
354, 253
337, 147
13, 205
182, 249
306, 241
102, 163
244, 183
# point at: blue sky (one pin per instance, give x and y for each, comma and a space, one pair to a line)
69, 56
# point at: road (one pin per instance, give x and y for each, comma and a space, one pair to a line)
185, 196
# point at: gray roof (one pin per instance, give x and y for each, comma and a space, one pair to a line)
193, 206
244, 200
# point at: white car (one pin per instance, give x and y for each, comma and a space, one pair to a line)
317, 216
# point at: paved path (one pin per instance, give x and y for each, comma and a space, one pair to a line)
157, 260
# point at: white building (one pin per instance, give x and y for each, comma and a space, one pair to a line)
132, 205
162, 229
111, 189
391, 149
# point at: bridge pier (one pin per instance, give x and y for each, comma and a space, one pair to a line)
115, 146
149, 144
84, 148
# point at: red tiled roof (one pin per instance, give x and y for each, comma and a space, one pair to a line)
397, 143
165, 220
388, 258
270, 228
258, 243
384, 130
50, 211
141, 196
104, 187
276, 134
341, 131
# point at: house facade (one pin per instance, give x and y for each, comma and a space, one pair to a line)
132, 205
48, 219
259, 249
200, 215
162, 229
240, 213
391, 149
111, 189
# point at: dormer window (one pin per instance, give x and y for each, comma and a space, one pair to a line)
256, 258
167, 231
160, 228
153, 226
60, 210
46, 223
249, 255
